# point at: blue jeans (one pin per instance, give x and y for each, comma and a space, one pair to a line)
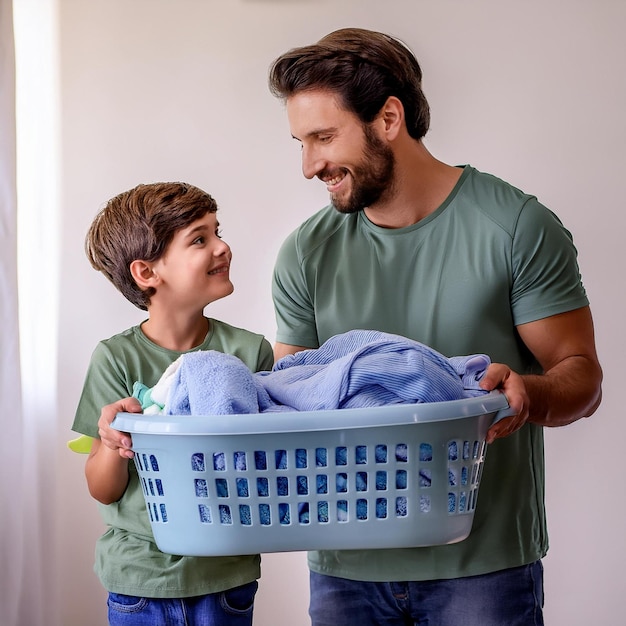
512, 597
226, 608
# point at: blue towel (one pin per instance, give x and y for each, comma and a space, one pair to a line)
212, 383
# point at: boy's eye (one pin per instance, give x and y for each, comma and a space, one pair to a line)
218, 233
199, 240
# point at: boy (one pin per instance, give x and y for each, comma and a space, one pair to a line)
159, 244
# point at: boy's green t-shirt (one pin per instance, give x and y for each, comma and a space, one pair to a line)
460, 280
127, 558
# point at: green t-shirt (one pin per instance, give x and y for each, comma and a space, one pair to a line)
488, 259
127, 558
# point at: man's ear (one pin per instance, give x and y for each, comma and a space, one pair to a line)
143, 274
392, 115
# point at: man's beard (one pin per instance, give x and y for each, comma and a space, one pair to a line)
372, 178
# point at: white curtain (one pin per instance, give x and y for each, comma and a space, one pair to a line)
23, 599
11, 443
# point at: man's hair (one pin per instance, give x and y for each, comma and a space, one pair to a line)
362, 68
139, 224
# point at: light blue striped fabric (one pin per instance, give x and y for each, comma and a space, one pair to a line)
365, 368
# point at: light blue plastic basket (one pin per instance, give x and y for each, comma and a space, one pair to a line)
390, 477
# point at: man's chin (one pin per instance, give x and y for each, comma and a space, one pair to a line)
345, 207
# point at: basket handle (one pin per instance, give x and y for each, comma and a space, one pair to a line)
503, 414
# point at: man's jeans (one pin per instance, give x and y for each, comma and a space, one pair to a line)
227, 608
512, 597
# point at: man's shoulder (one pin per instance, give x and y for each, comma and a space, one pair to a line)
494, 198
318, 229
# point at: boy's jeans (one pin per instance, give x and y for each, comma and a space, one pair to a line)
226, 608
512, 597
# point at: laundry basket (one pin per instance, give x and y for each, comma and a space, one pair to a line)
388, 477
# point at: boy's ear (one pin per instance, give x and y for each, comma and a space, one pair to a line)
143, 274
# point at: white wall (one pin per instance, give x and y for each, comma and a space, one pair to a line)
532, 91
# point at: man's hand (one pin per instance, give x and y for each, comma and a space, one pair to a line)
502, 377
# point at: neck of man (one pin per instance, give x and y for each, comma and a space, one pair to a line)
421, 185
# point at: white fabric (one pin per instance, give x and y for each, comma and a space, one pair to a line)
21, 572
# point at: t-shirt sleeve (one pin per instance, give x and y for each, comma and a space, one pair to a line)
295, 315
266, 357
105, 382
547, 278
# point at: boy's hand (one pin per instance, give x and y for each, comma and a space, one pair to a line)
114, 439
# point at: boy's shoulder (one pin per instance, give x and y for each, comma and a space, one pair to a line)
251, 347
224, 329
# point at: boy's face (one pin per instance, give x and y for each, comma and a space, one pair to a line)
195, 269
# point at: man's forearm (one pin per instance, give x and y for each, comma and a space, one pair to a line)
569, 391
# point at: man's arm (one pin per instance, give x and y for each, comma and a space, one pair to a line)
283, 349
569, 388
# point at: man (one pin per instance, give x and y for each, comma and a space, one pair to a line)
460, 261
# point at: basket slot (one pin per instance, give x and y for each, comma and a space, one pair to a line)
265, 514
225, 514
381, 508
302, 486
341, 483
239, 459
322, 484
341, 455
426, 452
360, 455
401, 506
304, 513
361, 481
260, 460
202, 488
243, 490
245, 516
262, 485
281, 459
197, 462
402, 453
221, 487
321, 457
301, 458
381, 480
282, 486
380, 453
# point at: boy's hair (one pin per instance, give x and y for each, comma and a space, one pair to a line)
139, 224
363, 68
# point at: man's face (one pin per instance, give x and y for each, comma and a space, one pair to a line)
356, 165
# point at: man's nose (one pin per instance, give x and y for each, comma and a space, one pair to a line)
312, 162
